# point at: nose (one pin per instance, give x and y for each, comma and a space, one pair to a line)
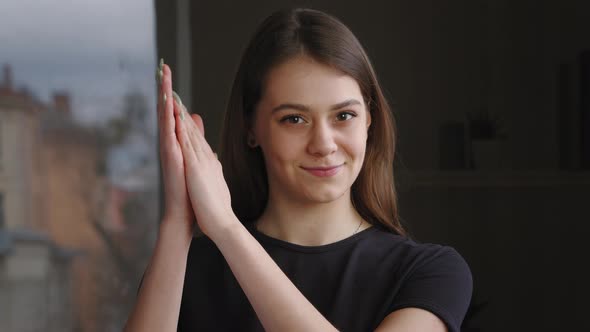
321, 142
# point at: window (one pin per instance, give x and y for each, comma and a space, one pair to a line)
80, 77
1, 141
1, 211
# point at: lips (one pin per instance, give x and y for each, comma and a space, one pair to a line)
324, 171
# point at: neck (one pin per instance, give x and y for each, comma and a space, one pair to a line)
310, 224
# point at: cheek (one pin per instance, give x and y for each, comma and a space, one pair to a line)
280, 149
358, 151
356, 141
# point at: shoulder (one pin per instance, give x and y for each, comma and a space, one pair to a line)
412, 255
436, 258
429, 261
428, 276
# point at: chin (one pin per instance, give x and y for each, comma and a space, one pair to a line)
324, 195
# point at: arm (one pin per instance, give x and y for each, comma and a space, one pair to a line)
434, 297
411, 319
279, 305
277, 302
158, 302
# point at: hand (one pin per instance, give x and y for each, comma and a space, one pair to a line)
176, 202
207, 189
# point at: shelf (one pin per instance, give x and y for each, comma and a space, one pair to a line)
477, 178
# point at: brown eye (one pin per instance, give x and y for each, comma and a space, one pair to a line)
294, 119
345, 116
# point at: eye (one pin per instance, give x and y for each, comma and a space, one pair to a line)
343, 116
294, 119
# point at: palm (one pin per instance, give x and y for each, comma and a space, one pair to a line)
190, 168
177, 204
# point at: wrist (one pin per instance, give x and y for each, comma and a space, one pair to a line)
177, 228
226, 226
178, 216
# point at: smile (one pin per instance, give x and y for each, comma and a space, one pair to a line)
323, 171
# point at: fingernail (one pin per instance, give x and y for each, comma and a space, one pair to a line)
177, 98
161, 63
182, 115
159, 75
164, 97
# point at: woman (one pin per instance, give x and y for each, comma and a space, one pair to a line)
301, 226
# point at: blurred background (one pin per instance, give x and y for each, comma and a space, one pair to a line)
491, 97
79, 180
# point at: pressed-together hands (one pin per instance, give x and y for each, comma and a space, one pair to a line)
194, 187
194, 184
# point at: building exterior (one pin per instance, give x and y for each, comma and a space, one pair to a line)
35, 283
77, 221
34, 270
20, 169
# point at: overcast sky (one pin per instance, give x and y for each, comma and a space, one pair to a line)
95, 49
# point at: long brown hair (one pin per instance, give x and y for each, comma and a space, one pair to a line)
282, 36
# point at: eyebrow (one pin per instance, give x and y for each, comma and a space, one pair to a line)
304, 108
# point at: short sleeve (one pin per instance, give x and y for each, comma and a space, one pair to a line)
440, 283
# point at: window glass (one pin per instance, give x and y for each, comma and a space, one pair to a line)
79, 161
1, 211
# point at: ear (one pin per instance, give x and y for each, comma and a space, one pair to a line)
368, 116
251, 140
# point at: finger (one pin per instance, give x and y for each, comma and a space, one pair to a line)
200, 146
188, 151
159, 109
198, 140
161, 105
159, 101
159, 72
194, 133
199, 122
168, 123
167, 86
170, 109
163, 121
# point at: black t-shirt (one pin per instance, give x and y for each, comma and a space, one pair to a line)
355, 283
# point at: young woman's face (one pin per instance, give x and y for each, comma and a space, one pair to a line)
311, 124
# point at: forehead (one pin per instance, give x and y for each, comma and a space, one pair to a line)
306, 81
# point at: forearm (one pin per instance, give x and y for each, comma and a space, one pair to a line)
280, 306
158, 301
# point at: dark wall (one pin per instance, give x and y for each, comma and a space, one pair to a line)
520, 224
221, 30
437, 60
